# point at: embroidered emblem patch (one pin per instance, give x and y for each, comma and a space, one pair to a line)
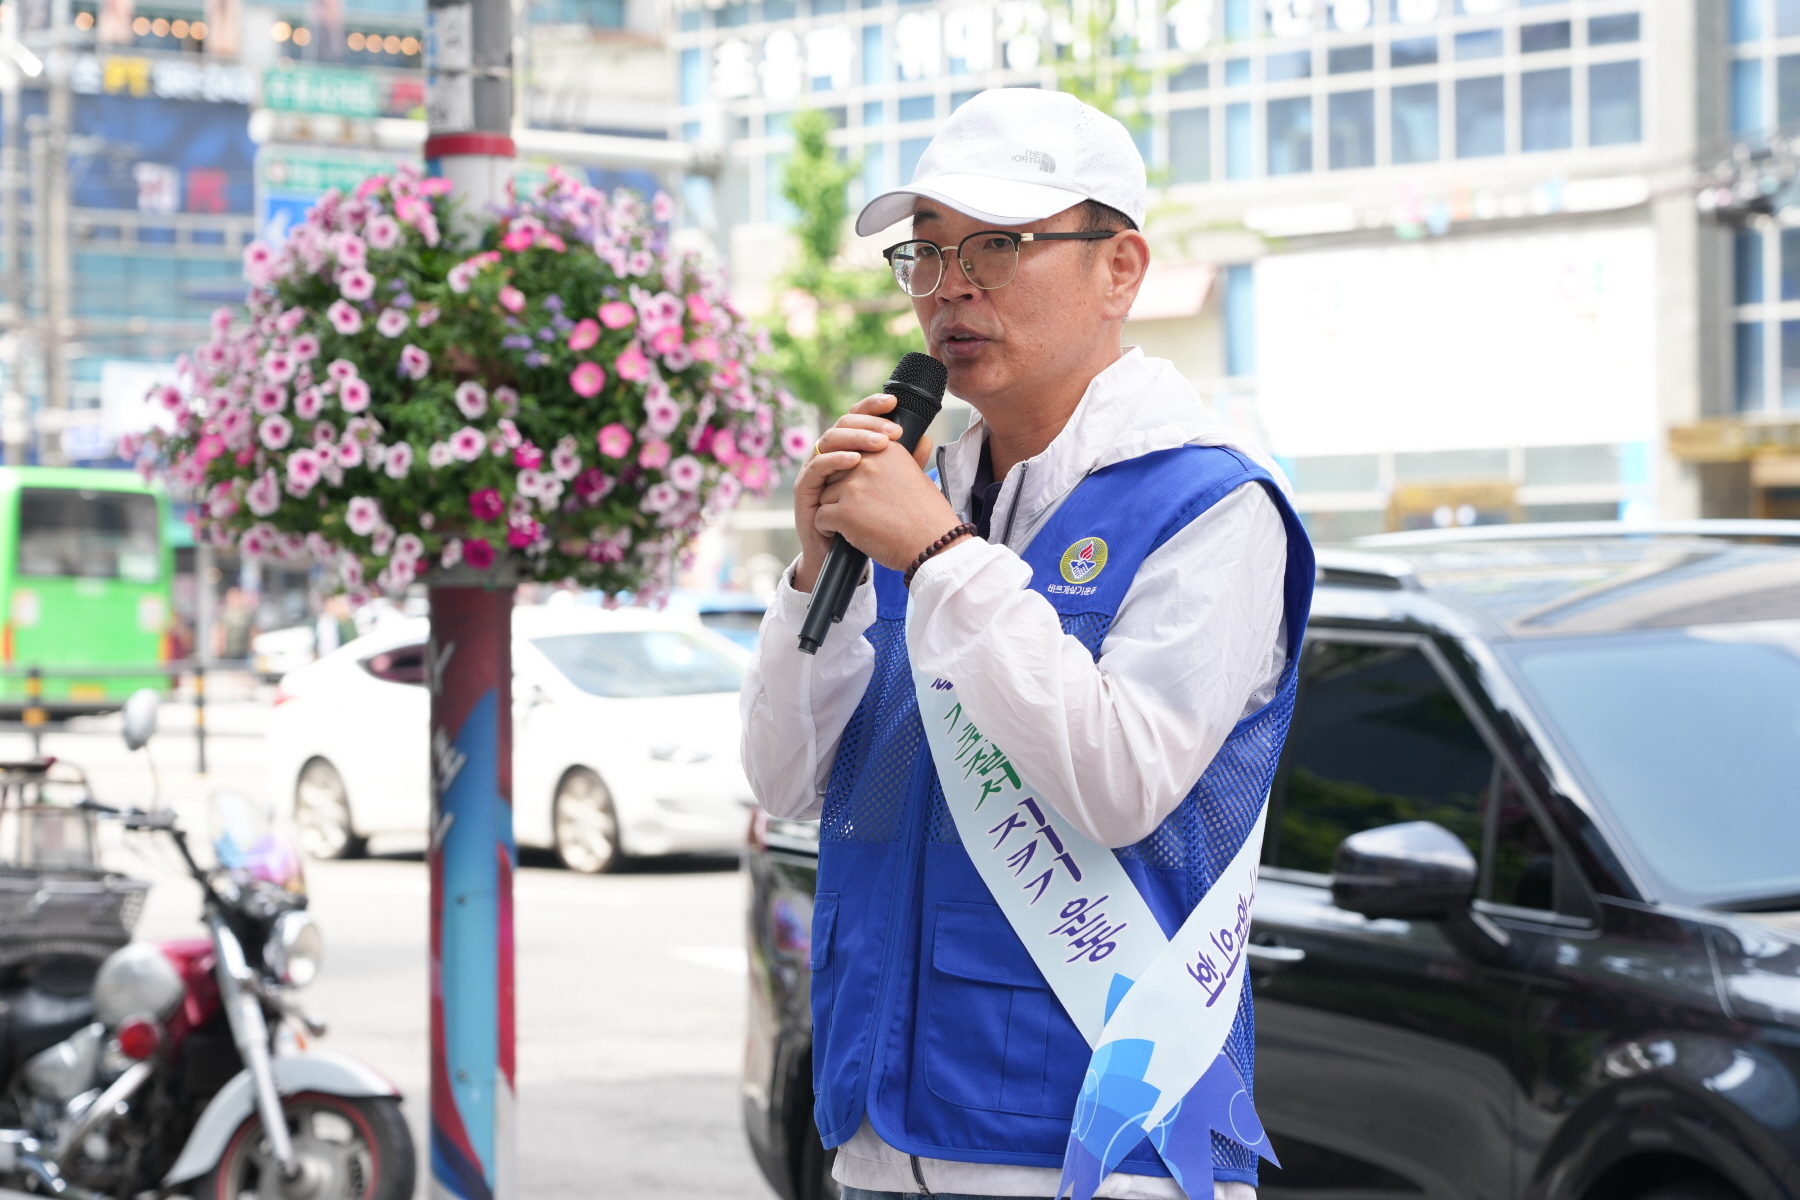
1083, 562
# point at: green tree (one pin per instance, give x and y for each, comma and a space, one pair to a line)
834, 328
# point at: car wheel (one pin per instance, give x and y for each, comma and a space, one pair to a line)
322, 813
587, 831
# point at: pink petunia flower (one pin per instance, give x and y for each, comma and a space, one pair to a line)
613, 440
344, 318
356, 284
260, 264
686, 473
666, 339
438, 455
382, 231
723, 447
279, 365
653, 455
517, 239
565, 460
478, 553
527, 455
755, 473
392, 322
466, 444
308, 403
362, 515
353, 395
662, 207
512, 299
616, 314
268, 399
275, 432
659, 498
587, 379
584, 335
593, 484
305, 348
699, 310
704, 349
452, 555
485, 504
264, 495
796, 441
632, 365
408, 547
471, 399
507, 401
303, 471
341, 369
350, 453
415, 364
661, 413
351, 252
399, 460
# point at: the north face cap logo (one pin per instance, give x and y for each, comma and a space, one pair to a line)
1044, 162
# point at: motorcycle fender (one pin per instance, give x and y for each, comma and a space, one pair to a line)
318, 1071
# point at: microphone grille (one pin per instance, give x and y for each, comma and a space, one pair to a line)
922, 380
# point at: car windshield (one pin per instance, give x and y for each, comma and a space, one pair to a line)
1692, 738
640, 663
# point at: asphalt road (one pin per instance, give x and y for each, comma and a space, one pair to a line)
631, 992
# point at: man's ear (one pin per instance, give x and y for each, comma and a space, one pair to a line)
1127, 258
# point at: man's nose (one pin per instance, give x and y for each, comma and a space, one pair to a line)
956, 284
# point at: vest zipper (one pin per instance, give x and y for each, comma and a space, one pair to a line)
1013, 512
919, 1177
944, 484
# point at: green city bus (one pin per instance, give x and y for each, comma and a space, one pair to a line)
85, 581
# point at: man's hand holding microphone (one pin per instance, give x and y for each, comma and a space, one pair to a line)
867, 487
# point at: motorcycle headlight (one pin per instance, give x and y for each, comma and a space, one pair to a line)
294, 949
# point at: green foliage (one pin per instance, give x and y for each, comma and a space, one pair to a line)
833, 326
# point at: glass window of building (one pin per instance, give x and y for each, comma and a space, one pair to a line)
1790, 265
1749, 347
1746, 96
1546, 113
779, 10
1746, 20
1480, 43
1612, 30
918, 108
1787, 89
911, 151
1240, 145
1350, 122
1190, 145
1747, 267
1787, 18
1348, 60
1540, 39
1415, 123
874, 57
1615, 108
1194, 77
1412, 52
1237, 72
1790, 364
1294, 65
693, 77
874, 112
1290, 135
1480, 116
1239, 22
958, 99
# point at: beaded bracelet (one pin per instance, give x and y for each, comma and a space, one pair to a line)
965, 527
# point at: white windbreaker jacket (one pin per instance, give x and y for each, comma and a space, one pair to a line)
1114, 744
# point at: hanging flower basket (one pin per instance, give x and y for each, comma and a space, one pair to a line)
575, 399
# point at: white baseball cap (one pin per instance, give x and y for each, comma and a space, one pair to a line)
1016, 155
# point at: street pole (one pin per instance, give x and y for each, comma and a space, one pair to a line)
54, 183
15, 426
469, 107
471, 859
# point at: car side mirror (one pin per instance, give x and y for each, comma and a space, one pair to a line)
140, 718
1415, 871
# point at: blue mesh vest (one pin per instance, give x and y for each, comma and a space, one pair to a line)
928, 1014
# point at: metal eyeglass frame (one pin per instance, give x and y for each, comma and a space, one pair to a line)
1017, 239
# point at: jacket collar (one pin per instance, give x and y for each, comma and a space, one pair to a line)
1137, 406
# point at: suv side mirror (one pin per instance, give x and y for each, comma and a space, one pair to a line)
140, 718
1418, 870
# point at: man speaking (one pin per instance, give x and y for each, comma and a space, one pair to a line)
1041, 739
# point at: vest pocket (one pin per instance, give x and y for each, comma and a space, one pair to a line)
995, 1037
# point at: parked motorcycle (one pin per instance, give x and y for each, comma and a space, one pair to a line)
181, 1068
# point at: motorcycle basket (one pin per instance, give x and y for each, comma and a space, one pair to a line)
85, 912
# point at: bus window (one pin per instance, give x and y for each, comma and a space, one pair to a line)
88, 534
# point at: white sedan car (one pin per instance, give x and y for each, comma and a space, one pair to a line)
625, 738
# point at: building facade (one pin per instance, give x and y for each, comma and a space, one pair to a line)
1443, 257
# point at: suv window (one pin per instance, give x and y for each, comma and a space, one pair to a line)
1378, 738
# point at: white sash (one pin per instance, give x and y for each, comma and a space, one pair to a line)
1156, 1009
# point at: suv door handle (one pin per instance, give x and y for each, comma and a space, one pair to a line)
1271, 959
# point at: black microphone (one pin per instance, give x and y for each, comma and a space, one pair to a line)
917, 387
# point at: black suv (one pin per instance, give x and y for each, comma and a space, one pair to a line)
1529, 921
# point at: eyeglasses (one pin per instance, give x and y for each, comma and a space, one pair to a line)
990, 258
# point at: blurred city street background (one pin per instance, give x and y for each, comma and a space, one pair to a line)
631, 987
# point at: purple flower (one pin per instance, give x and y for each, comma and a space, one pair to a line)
546, 334
516, 341
534, 359
553, 302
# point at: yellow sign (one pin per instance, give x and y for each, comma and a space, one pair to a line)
1083, 562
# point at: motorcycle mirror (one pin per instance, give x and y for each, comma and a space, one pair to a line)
140, 718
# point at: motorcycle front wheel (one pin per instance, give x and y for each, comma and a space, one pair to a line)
345, 1150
